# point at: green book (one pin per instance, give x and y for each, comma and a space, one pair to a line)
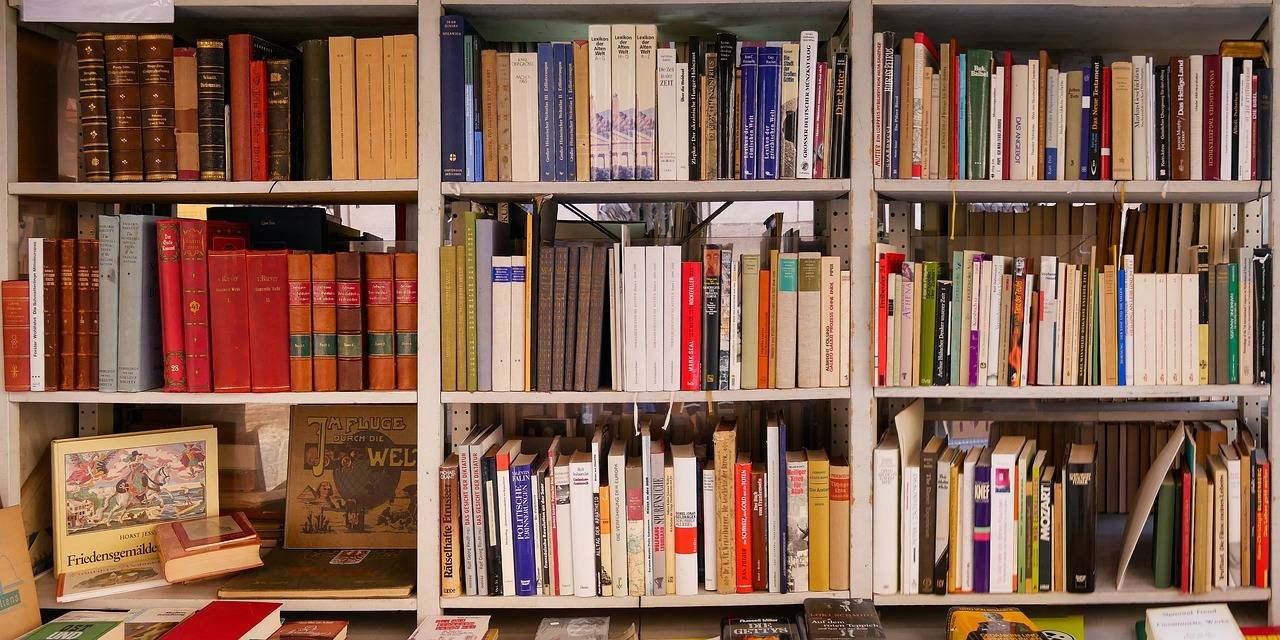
1233, 323
469, 248
978, 111
750, 320
1162, 550
959, 333
1064, 628
79, 631
312, 573
928, 321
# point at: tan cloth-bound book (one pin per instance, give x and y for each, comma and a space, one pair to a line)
371, 114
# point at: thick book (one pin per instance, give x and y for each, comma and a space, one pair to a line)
787, 322
193, 243
268, 300
350, 326
168, 255
808, 315
229, 320
242, 51
124, 106
156, 90
770, 79
207, 547
453, 133
622, 147
406, 318
315, 109
108, 300
15, 300
86, 293
139, 360
819, 511
211, 103
371, 110
91, 66
185, 113
324, 323
300, 341
221, 620
379, 308
1081, 517
284, 150
342, 110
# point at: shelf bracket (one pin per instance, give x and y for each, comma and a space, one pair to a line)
706, 221
589, 220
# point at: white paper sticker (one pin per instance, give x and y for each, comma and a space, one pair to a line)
100, 11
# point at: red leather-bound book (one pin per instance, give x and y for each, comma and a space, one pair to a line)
15, 315
406, 320
691, 326
169, 273
52, 316
67, 313
229, 620
742, 522
193, 243
229, 321
258, 118
380, 321
86, 314
350, 321
269, 320
225, 235
300, 374
1105, 164
239, 55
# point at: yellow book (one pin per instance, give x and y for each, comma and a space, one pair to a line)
403, 128
606, 549
448, 321
669, 499
724, 446
342, 107
371, 122
953, 522
839, 540
819, 521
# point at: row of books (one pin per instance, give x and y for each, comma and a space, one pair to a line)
245, 108
990, 320
620, 105
1002, 518
617, 514
182, 303
218, 620
944, 112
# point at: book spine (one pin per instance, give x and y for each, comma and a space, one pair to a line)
300, 376
91, 65
1080, 529
15, 301
453, 133
372, 112
1046, 534
488, 111
36, 317
622, 50
982, 529
324, 336
522, 529
601, 116
268, 284
185, 114
124, 107
690, 326
667, 114
108, 261
349, 315
807, 103
546, 112
279, 101
159, 146
450, 506
258, 120
229, 319
821, 108
568, 112
239, 81
797, 519
742, 552
561, 55
581, 111
840, 542
695, 103
1163, 123
379, 309
770, 78
819, 510
646, 113
342, 112
315, 107
406, 319
211, 103
139, 358
749, 151
711, 318
193, 243
727, 325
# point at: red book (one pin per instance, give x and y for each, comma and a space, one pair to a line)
225, 235
889, 263
258, 118
691, 326
268, 273
1184, 576
380, 320
1105, 160
239, 55
195, 304
1033, 336
820, 122
67, 313
763, 353
1212, 96
229, 321
86, 314
406, 320
954, 123
759, 529
15, 315
229, 620
1262, 558
742, 522
172, 339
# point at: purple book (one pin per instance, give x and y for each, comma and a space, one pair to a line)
982, 524
975, 317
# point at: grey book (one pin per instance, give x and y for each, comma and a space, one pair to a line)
139, 365
486, 235
108, 299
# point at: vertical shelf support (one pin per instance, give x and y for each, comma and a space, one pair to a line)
1273, 402
10, 451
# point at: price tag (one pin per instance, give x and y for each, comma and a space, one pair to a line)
98, 11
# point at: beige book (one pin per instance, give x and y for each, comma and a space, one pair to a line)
711, 120
1201, 534
1075, 86
724, 447
504, 116
1122, 120
581, 108
448, 324
403, 161
809, 314
944, 115
819, 495
829, 341
342, 107
775, 270
489, 112
1110, 371
392, 101
668, 497
1218, 510
926, 125
371, 122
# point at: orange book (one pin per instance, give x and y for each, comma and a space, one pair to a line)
300, 322
380, 321
16, 303
762, 341
324, 323
198, 549
406, 320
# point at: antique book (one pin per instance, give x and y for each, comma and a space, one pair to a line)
724, 446
379, 279
229, 320
315, 109
324, 337
86, 314
371, 151
248, 146
258, 151
221, 620
350, 321
193, 244
15, 302
67, 313
108, 300
488, 107
300, 322
51, 318
342, 107
366, 457
159, 148
204, 548
168, 256
211, 101
91, 65
406, 318
139, 361
350, 573
312, 630
124, 106
267, 274
185, 114
402, 159
281, 149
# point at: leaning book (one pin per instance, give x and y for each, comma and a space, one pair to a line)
110, 493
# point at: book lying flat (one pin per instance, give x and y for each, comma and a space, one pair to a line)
310, 573
108, 581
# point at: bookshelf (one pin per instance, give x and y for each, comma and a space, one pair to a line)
29, 420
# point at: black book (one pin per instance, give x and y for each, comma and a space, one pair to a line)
1162, 122
942, 337
1262, 314
1095, 118
839, 163
841, 618
1046, 529
1264, 123
888, 105
929, 508
293, 228
1237, 69
1082, 358
695, 61
1081, 517
771, 627
726, 54
489, 496
710, 317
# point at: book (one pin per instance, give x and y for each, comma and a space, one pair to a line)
452, 628
79, 630
229, 320
221, 620
19, 588
197, 549
349, 573
74, 586
311, 630
15, 299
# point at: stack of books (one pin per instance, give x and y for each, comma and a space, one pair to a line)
245, 108
620, 105
637, 512
948, 113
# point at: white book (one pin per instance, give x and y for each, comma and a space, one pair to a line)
500, 310
1196, 98
671, 318
668, 118
885, 497
1192, 622
635, 354
1060, 132
1129, 270
616, 467
483, 525
506, 549
1032, 153
622, 52
1232, 461
1004, 495
1190, 329
910, 525
808, 101
655, 317
877, 108
1225, 138
1026, 328
1048, 343
600, 84
773, 467
1018, 124
686, 518
965, 566
468, 517
35, 319
842, 333
1152, 302
1140, 119
931, 159
524, 117
797, 573
682, 121
517, 323
1161, 344
942, 523
1172, 317
995, 148
108, 300
581, 525
1150, 68
995, 322
1244, 168
709, 530
830, 337
646, 118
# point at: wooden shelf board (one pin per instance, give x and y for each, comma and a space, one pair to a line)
660, 190
556, 397
199, 594
161, 397
211, 192
1089, 392
1146, 191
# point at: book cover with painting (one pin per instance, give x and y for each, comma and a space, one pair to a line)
352, 477
111, 491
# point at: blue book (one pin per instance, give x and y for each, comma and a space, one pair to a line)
750, 108
1084, 123
522, 525
963, 89
477, 110
560, 52
897, 113
546, 113
782, 508
981, 523
770, 78
569, 141
1122, 307
453, 99
469, 113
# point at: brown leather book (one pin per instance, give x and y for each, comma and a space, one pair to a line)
124, 106
95, 153
582, 320
324, 324
711, 119
159, 147
571, 315
67, 312
371, 111
315, 109
489, 112
52, 316
544, 321
1180, 114
86, 314
300, 322
349, 314
185, 119
380, 321
279, 121
211, 102
559, 312
595, 323
407, 319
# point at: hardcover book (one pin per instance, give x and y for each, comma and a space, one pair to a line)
318, 573
19, 608
106, 581
207, 547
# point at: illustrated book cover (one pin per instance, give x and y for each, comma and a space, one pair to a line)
19, 609
107, 581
